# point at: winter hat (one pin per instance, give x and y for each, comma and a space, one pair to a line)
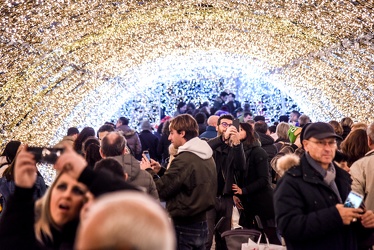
293, 133
146, 125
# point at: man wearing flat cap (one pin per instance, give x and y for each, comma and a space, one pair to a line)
309, 197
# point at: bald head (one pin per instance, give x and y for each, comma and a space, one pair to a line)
132, 217
212, 120
113, 144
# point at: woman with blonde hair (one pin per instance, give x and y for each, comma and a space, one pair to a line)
53, 222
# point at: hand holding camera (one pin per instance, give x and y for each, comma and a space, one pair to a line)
25, 172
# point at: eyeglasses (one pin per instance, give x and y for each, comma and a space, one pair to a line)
225, 124
322, 144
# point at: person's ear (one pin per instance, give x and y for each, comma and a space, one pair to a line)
101, 154
370, 142
126, 176
183, 133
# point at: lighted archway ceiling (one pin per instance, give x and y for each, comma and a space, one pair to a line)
56, 55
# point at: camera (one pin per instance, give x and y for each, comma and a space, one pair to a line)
45, 155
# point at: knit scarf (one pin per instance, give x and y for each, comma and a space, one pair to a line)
328, 175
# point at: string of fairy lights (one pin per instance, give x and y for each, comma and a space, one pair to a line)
64, 62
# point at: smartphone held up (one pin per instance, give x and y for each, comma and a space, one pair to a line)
146, 153
45, 155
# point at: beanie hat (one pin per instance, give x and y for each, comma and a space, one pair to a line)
146, 125
293, 133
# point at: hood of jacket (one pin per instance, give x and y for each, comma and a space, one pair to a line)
286, 162
265, 139
130, 165
127, 131
198, 147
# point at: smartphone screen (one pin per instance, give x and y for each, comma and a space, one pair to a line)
236, 122
146, 153
353, 200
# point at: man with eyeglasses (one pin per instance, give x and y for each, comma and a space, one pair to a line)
309, 197
229, 156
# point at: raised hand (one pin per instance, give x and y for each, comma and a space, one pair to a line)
25, 172
71, 162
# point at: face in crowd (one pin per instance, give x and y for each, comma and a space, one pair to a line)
67, 199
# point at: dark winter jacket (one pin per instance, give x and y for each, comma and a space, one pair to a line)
257, 196
209, 133
136, 176
132, 138
228, 159
189, 185
149, 142
267, 143
163, 147
305, 208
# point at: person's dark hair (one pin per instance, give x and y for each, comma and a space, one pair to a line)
9, 172
261, 127
72, 131
259, 118
110, 165
225, 116
297, 113
10, 150
160, 127
284, 118
191, 106
106, 128
165, 129
92, 154
88, 141
110, 123
113, 147
223, 94
272, 128
233, 95
83, 135
200, 118
124, 120
224, 107
250, 138
185, 123
181, 105
247, 114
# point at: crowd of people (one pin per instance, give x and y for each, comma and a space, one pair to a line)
178, 186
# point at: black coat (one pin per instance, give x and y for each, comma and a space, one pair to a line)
150, 142
305, 210
257, 197
228, 159
163, 147
267, 143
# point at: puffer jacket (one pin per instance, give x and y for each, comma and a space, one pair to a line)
136, 176
132, 138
